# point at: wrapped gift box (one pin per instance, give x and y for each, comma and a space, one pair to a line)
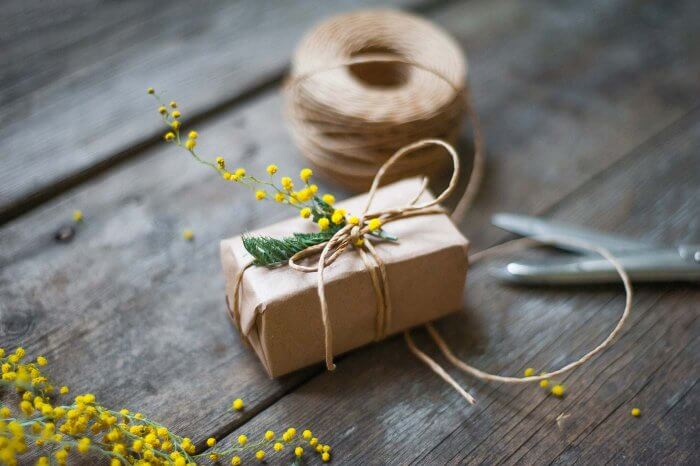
280, 313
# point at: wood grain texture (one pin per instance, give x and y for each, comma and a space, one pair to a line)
565, 88
73, 77
388, 407
128, 308
132, 312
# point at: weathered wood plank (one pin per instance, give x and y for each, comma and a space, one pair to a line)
565, 88
72, 77
388, 416
668, 432
652, 194
388, 407
123, 290
128, 290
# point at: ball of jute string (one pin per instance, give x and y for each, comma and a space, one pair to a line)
364, 84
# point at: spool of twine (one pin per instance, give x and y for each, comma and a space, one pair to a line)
365, 84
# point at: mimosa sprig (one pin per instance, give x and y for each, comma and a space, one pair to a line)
306, 201
121, 437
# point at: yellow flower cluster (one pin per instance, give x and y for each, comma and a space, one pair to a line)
311, 205
271, 443
122, 437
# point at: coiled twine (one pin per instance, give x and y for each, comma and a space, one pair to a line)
367, 83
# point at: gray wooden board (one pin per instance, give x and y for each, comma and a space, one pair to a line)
73, 76
129, 290
387, 407
564, 88
131, 311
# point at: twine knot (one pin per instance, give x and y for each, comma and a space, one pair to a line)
355, 234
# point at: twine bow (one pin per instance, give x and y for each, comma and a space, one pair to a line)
349, 235
347, 122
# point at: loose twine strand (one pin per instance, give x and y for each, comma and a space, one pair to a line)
463, 205
511, 246
305, 128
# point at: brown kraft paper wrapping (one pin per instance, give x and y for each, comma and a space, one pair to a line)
280, 310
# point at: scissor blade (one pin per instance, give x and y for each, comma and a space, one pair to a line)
652, 266
532, 226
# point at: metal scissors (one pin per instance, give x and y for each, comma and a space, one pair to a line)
643, 262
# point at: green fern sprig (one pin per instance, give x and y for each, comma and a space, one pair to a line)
271, 252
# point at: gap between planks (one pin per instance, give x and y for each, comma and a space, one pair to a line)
266, 83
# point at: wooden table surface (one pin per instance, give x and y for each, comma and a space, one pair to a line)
591, 115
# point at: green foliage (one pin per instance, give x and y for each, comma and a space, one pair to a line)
321, 209
271, 252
